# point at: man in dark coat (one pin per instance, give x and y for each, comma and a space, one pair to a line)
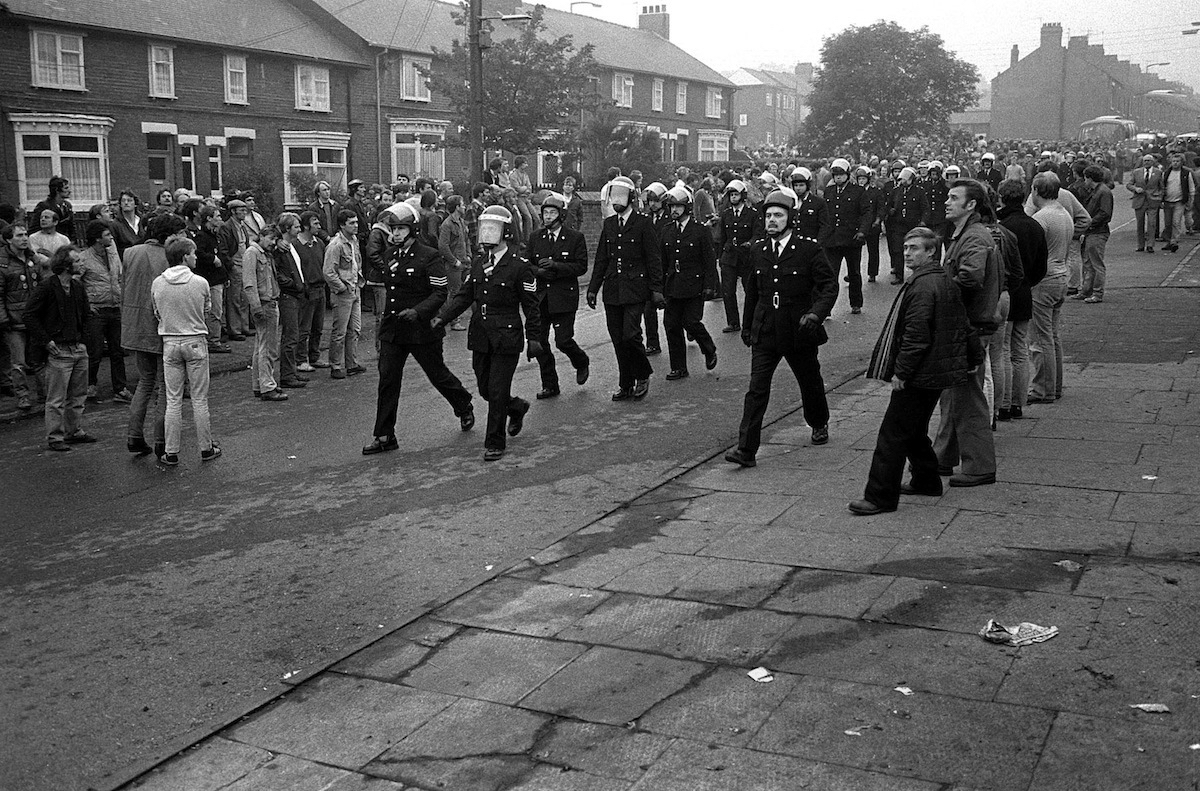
811, 217
790, 294
739, 223
559, 258
1012, 392
689, 277
921, 351
501, 285
414, 281
629, 267
865, 177
906, 209
850, 215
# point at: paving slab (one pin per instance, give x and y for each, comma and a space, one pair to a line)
1028, 498
1138, 578
1141, 507
787, 455
592, 569
973, 564
891, 655
470, 746
724, 707
551, 778
691, 630
967, 608
1141, 626
659, 576
1072, 450
691, 766
210, 766
602, 750
1090, 753
1034, 531
288, 773
743, 508
339, 720
735, 582
390, 658
772, 479
478, 664
927, 736
1107, 431
522, 606
359, 782
1165, 541
612, 685
1080, 474
794, 547
1101, 682
833, 593
919, 517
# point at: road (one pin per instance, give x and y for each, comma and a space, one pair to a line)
146, 607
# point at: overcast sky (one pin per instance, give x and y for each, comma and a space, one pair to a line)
726, 35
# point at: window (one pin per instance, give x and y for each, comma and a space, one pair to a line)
743, 120
656, 98
322, 154
415, 87
713, 102
681, 98
73, 146
158, 152
312, 88
240, 148
215, 176
162, 71
418, 147
236, 91
622, 90
714, 146
789, 102
57, 60
187, 158
768, 98
768, 138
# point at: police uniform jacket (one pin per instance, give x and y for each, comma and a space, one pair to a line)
780, 292
628, 262
500, 298
909, 206
412, 278
992, 177
849, 214
567, 262
937, 192
689, 260
811, 218
875, 199
738, 229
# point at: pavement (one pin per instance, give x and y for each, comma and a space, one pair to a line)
617, 658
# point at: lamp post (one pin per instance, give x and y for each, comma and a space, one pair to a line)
584, 2
475, 20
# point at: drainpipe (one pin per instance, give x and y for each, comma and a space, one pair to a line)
379, 117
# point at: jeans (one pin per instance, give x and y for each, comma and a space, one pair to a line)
66, 391
1075, 264
151, 388
996, 379
1045, 346
216, 316
965, 430
291, 309
347, 325
105, 325
1016, 364
16, 341
903, 434
1173, 222
237, 308
1093, 264
807, 370
264, 365
312, 325
185, 359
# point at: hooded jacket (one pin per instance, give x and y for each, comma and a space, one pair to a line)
181, 300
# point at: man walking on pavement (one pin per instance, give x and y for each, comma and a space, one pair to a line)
629, 267
850, 215
559, 258
414, 282
975, 264
343, 273
1177, 197
689, 278
501, 282
1147, 188
739, 223
790, 293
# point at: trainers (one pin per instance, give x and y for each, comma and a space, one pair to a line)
123, 397
320, 364
169, 459
210, 454
1092, 300
305, 367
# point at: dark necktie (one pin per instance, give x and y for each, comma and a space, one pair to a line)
776, 249
491, 265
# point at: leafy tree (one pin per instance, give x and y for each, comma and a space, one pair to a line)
530, 85
881, 83
608, 143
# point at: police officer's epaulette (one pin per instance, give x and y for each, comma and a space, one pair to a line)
808, 239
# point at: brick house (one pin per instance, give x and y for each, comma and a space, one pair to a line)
771, 105
148, 96
1051, 91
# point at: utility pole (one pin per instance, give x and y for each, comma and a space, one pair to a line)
474, 23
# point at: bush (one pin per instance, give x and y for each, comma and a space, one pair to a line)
262, 183
304, 182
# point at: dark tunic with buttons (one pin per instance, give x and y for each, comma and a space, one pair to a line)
689, 260
779, 293
628, 261
500, 297
413, 278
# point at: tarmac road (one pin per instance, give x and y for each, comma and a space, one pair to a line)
147, 607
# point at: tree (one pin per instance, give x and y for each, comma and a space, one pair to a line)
608, 143
881, 83
531, 85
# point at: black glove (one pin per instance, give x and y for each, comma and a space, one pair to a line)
408, 314
746, 336
591, 300
535, 348
658, 299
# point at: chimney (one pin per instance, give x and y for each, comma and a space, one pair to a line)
804, 73
1015, 58
656, 19
1052, 33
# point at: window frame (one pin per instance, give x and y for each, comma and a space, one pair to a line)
717, 141
245, 72
426, 161
414, 66
187, 161
57, 125
681, 97
714, 102
313, 140
214, 185
622, 84
656, 95
314, 71
58, 83
153, 63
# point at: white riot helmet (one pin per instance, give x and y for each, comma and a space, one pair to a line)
937, 165
495, 226
953, 171
840, 164
737, 185
655, 192
768, 179
620, 192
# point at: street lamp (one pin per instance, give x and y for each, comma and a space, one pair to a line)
475, 22
585, 2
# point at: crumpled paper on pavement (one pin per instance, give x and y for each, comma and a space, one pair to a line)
1151, 708
1022, 634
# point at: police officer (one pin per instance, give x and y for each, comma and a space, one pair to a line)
789, 295
850, 216
652, 203
501, 285
739, 224
811, 216
937, 191
990, 174
629, 267
865, 178
907, 207
559, 258
414, 282
689, 277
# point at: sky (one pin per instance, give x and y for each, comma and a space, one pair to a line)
727, 35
